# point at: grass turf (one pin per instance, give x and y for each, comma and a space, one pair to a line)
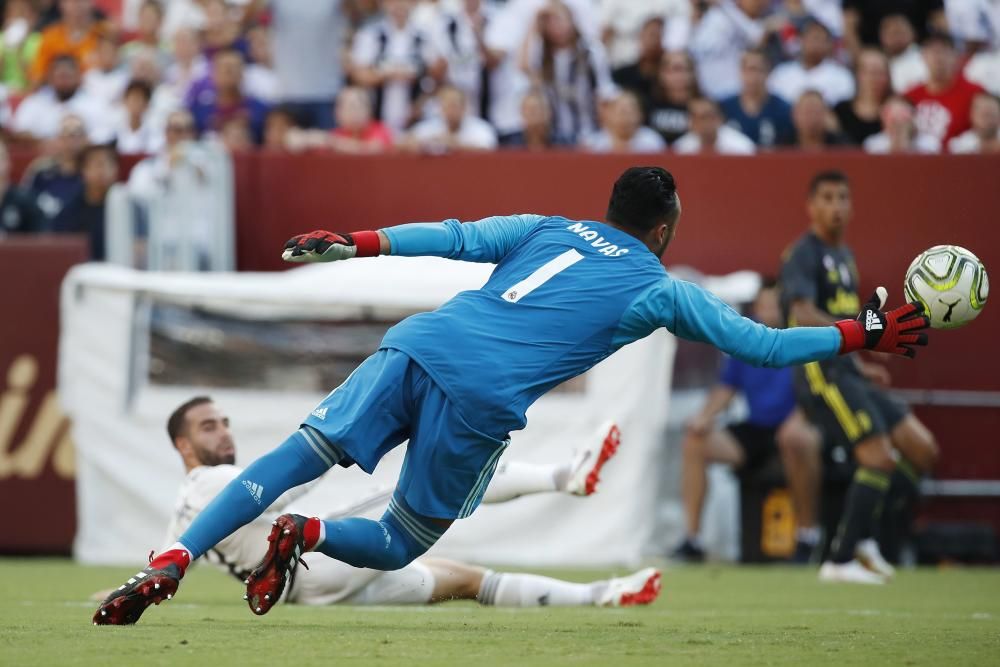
706, 615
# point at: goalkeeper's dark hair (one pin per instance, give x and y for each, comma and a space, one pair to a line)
177, 422
827, 176
643, 197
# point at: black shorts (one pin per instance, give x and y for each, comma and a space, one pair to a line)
844, 405
757, 442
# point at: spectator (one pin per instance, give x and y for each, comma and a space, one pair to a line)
974, 23
357, 131
726, 30
667, 112
709, 135
150, 22
307, 39
19, 214
279, 128
623, 23
862, 19
84, 214
145, 67
773, 427
814, 69
623, 129
536, 121
570, 67
189, 65
812, 121
39, 114
900, 134
765, 118
54, 180
860, 117
984, 136
260, 79
455, 130
216, 100
984, 69
472, 66
399, 62
75, 35
183, 15
221, 30
898, 41
136, 134
19, 46
237, 135
943, 103
640, 75
105, 80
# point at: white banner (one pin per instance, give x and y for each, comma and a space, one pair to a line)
118, 326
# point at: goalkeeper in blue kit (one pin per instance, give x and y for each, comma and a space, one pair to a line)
456, 381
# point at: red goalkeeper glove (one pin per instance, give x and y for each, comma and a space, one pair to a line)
896, 331
320, 246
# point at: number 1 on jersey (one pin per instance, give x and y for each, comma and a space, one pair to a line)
542, 274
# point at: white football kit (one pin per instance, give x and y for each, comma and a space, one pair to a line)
327, 581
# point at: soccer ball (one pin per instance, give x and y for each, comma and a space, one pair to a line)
952, 284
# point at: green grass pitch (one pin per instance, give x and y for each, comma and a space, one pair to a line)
705, 616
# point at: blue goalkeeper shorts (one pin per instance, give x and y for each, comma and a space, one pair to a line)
390, 399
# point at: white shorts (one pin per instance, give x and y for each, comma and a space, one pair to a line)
328, 581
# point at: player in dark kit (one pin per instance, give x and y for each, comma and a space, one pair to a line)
843, 395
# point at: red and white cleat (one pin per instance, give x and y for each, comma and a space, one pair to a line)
156, 583
585, 471
286, 543
643, 587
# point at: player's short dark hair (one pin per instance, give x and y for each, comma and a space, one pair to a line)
767, 282
642, 198
827, 176
177, 422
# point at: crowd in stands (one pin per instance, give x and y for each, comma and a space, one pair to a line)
369, 76
436, 76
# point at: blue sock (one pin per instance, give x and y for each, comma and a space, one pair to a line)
301, 458
390, 543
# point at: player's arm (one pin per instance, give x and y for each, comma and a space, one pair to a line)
718, 398
487, 240
696, 314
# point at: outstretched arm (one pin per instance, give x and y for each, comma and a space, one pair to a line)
487, 240
695, 314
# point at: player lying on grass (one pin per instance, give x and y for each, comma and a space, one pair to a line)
456, 381
200, 433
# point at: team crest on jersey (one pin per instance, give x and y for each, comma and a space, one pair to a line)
603, 246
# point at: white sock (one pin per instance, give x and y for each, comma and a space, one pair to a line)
531, 590
516, 478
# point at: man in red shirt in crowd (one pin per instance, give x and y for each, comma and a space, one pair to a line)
943, 103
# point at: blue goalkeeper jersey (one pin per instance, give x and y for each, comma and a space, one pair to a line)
564, 296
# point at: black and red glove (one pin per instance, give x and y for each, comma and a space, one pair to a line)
896, 331
320, 246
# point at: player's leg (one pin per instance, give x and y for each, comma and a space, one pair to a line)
505, 589
447, 468
799, 444
342, 418
919, 452
578, 476
717, 446
841, 405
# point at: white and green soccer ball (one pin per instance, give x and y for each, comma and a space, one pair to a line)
952, 284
